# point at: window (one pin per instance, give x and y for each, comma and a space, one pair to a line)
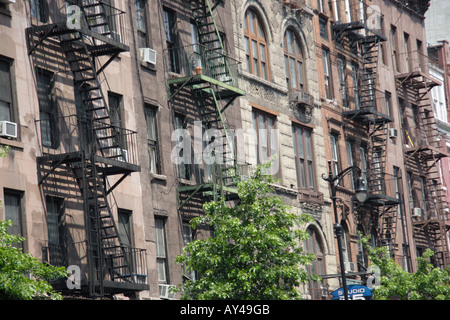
13, 211
317, 267
303, 157
6, 101
169, 20
141, 23
407, 52
187, 238
125, 227
394, 47
344, 244
424, 196
293, 61
39, 10
255, 46
55, 229
348, 13
197, 61
349, 146
411, 191
184, 168
363, 154
419, 55
388, 105
320, 5
161, 250
355, 86
265, 139
323, 28
334, 153
327, 73
152, 139
342, 81
116, 108
47, 109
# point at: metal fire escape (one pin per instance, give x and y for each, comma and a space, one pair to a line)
213, 90
103, 148
356, 35
431, 225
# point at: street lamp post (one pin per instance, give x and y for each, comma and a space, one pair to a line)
361, 196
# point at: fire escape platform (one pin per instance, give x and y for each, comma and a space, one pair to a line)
367, 115
107, 45
206, 190
427, 152
196, 81
111, 166
351, 29
417, 79
382, 200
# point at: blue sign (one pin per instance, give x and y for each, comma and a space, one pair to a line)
355, 292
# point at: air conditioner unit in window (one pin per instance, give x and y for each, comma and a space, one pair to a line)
148, 55
417, 212
392, 133
8, 129
164, 291
350, 266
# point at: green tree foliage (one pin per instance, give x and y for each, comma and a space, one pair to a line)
23, 277
256, 251
427, 283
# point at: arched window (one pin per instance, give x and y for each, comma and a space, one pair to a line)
293, 61
255, 45
317, 267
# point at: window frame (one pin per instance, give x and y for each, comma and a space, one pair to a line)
335, 156
327, 74
47, 111
314, 245
308, 181
17, 195
9, 85
159, 257
153, 142
143, 39
254, 34
256, 114
298, 69
41, 10
182, 167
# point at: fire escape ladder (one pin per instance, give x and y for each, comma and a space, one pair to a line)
388, 230
433, 224
212, 118
104, 147
96, 109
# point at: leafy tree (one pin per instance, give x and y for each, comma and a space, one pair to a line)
23, 277
427, 283
256, 251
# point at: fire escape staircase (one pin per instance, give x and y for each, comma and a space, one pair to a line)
384, 207
427, 151
102, 151
214, 90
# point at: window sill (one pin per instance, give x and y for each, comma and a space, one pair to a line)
264, 82
309, 195
159, 177
12, 143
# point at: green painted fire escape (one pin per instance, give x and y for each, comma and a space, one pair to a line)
213, 89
